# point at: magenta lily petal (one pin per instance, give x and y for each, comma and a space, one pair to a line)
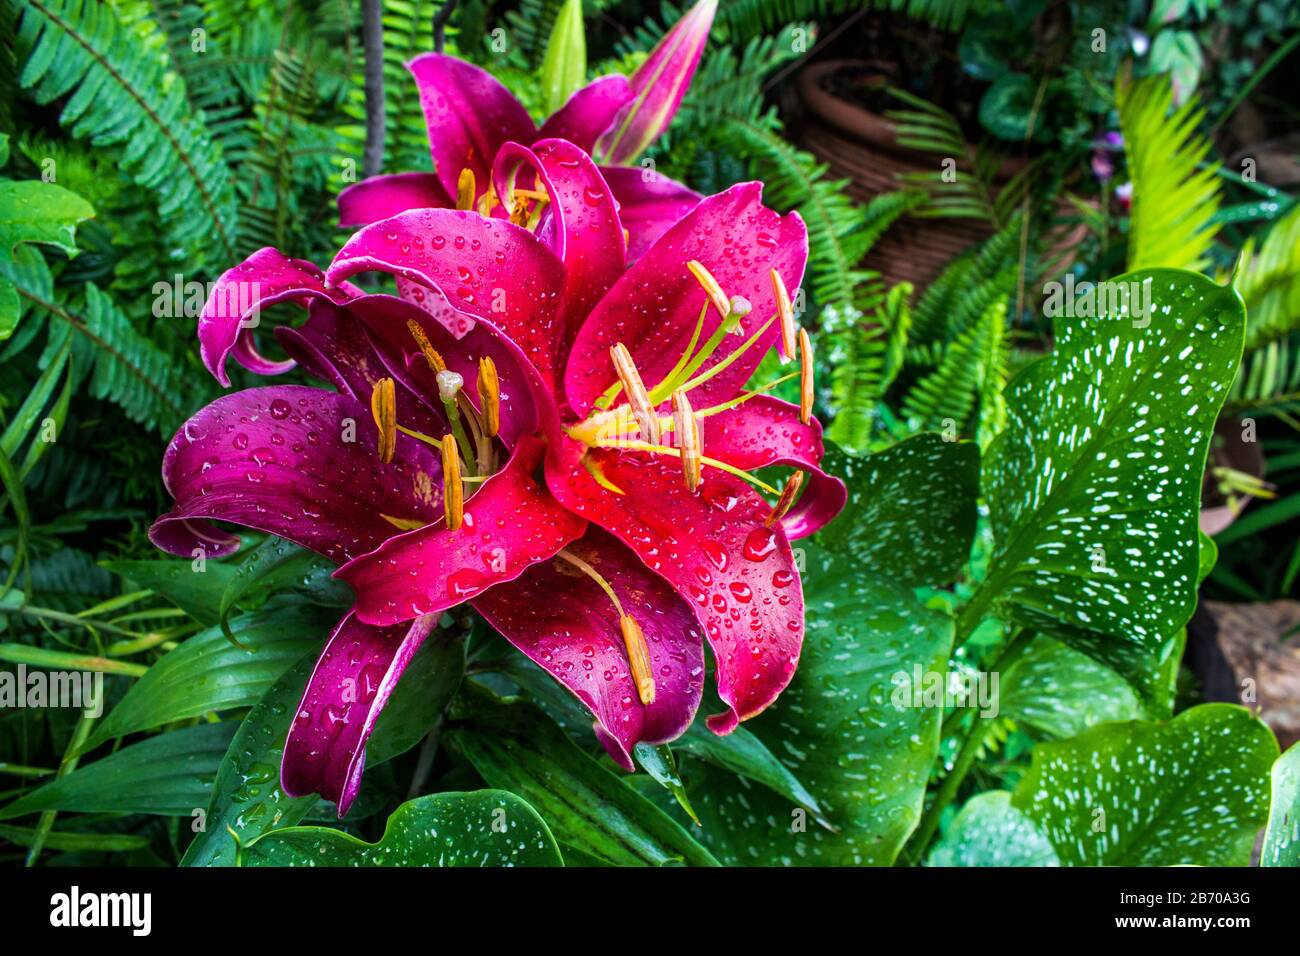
264, 278
333, 346
564, 622
496, 272
648, 203
587, 233
714, 548
386, 318
469, 116
278, 459
382, 196
588, 112
765, 431
353, 679
658, 86
653, 308
510, 524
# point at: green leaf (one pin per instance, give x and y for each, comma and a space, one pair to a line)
921, 491
989, 831
277, 564
246, 796
515, 747
659, 763
1063, 692
198, 594
169, 774
565, 64
34, 211
483, 828
1094, 487
1282, 837
207, 673
1190, 790
838, 729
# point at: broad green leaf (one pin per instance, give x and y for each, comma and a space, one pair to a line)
207, 673
483, 828
196, 593
989, 831
660, 764
35, 211
274, 565
840, 731
565, 64
246, 796
516, 747
169, 774
1063, 692
1190, 790
66, 660
1282, 838
911, 509
1094, 487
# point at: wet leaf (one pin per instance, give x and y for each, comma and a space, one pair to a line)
1282, 838
989, 831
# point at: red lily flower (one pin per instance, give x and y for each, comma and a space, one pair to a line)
470, 116
520, 462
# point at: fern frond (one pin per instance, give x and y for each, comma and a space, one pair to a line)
1268, 279
865, 358
119, 93
750, 17
969, 372
964, 290
1172, 220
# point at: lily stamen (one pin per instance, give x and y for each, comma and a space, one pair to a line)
687, 430
489, 395
712, 289
449, 390
453, 492
466, 189
638, 655
785, 311
745, 396
788, 493
426, 348
805, 377
635, 445
383, 406
642, 410
719, 367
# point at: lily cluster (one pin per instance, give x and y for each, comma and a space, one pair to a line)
549, 420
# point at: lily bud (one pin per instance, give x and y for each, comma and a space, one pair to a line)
687, 428
383, 406
805, 377
489, 394
453, 492
637, 397
711, 287
785, 311
658, 87
638, 657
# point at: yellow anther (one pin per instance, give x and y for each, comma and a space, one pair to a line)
466, 189
714, 291
805, 377
403, 524
687, 430
788, 493
785, 311
426, 349
489, 396
383, 406
638, 656
637, 396
453, 494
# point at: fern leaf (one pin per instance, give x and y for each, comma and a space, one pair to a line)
1269, 282
865, 358
1172, 221
969, 366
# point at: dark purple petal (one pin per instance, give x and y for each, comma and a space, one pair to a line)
353, 679
648, 203
510, 523
234, 305
588, 112
469, 115
562, 620
278, 460
382, 196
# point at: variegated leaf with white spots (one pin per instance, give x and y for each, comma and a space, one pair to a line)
1190, 790
1094, 486
989, 831
1282, 838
